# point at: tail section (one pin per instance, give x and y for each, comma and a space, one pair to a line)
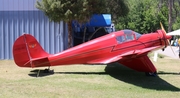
27, 52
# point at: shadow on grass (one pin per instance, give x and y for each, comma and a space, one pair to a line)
167, 73
39, 73
127, 75
34, 73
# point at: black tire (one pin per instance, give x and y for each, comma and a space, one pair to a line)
154, 74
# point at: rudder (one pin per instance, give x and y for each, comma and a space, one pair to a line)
26, 49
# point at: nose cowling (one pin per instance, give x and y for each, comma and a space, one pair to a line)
164, 37
168, 37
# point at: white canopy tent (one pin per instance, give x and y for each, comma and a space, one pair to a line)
176, 32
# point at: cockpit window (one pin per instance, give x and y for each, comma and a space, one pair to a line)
137, 35
130, 32
120, 39
128, 36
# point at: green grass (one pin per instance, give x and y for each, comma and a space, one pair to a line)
90, 81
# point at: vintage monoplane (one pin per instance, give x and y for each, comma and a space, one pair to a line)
125, 46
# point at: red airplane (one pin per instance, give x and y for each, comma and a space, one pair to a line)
126, 47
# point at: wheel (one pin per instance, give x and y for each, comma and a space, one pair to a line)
151, 74
46, 70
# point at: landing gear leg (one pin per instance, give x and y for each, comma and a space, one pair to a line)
38, 73
48, 70
154, 74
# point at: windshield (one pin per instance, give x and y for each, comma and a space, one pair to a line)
138, 35
130, 32
128, 36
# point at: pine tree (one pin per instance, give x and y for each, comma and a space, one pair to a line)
79, 10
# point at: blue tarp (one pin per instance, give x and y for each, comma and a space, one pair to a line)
102, 20
97, 20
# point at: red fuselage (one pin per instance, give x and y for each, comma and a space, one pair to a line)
106, 47
126, 47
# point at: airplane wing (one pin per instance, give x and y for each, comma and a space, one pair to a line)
140, 63
105, 60
139, 52
131, 54
136, 59
139, 60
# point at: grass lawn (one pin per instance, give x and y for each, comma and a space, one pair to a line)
90, 81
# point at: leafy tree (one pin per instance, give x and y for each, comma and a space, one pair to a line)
175, 15
117, 8
68, 10
176, 25
80, 10
144, 16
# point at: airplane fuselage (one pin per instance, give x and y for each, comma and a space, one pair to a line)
106, 47
126, 47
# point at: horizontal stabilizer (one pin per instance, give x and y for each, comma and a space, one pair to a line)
38, 62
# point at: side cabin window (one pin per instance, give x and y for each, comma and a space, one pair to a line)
120, 39
127, 36
124, 38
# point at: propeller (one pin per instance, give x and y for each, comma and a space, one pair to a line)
156, 53
168, 39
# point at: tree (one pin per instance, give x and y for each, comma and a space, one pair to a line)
68, 10
79, 10
175, 15
170, 5
117, 8
144, 16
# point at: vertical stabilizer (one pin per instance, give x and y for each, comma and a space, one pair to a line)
27, 52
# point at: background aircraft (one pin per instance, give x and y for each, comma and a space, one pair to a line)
126, 47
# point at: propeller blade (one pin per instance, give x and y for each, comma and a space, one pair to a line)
171, 48
162, 27
167, 40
